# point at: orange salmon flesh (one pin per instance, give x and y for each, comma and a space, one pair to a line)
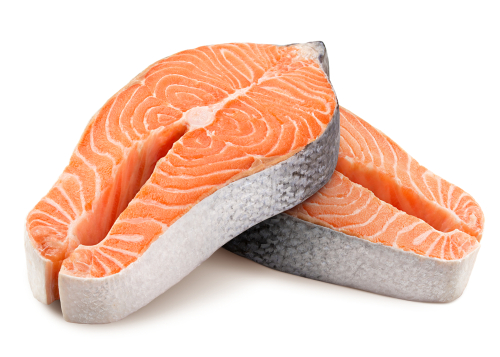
380, 193
185, 127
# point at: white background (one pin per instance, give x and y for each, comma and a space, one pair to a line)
426, 74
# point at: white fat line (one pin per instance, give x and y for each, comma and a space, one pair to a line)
77, 178
120, 124
366, 128
178, 190
226, 75
450, 244
209, 112
295, 136
286, 80
431, 247
265, 97
182, 86
450, 195
189, 167
396, 160
150, 202
67, 198
58, 208
410, 159
209, 78
122, 251
331, 202
88, 266
100, 152
461, 249
305, 75
127, 237
106, 268
346, 122
364, 140
344, 142
352, 158
316, 80
444, 246
117, 262
427, 175
325, 192
252, 105
227, 70
97, 182
195, 60
256, 57
306, 90
266, 138
442, 205
404, 230
263, 54
107, 124
321, 124
333, 207
297, 111
470, 204
280, 92
459, 200
159, 171
151, 96
421, 238
353, 213
372, 218
37, 211
224, 51
189, 79
140, 220
438, 179
386, 225
306, 124
146, 115
465, 241
196, 55
47, 247
43, 224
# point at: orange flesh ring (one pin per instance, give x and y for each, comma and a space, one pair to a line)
150, 154
381, 194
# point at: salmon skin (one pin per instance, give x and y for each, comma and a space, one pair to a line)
196, 149
383, 224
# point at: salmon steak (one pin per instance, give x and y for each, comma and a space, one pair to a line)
383, 224
196, 149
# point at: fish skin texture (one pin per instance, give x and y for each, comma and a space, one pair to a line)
182, 130
343, 212
218, 218
301, 248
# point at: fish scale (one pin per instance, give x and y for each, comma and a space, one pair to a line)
172, 136
375, 212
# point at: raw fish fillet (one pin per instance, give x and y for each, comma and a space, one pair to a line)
383, 223
197, 148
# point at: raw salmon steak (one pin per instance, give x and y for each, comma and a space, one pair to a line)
197, 148
383, 223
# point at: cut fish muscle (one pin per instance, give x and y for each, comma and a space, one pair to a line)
368, 157
187, 127
354, 210
382, 223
